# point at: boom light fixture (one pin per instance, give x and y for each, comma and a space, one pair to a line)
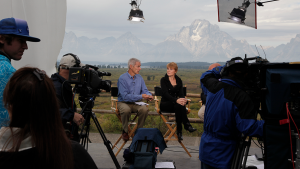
261, 3
238, 14
135, 14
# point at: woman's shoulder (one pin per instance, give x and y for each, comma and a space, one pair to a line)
178, 79
164, 78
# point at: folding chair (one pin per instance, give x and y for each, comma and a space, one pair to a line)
170, 135
114, 108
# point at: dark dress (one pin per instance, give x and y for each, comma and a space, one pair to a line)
170, 94
27, 159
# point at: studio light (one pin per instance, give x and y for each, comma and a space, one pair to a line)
238, 14
135, 14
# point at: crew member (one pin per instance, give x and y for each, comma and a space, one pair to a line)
132, 88
229, 113
13, 36
65, 95
204, 94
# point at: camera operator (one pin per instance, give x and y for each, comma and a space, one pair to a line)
65, 96
229, 113
204, 94
13, 36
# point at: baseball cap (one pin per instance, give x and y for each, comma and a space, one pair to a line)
69, 61
14, 26
213, 66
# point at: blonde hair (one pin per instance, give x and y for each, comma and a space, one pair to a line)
172, 65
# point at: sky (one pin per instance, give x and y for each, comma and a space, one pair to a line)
277, 22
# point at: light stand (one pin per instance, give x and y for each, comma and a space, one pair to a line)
261, 3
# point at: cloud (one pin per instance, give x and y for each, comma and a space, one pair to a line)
277, 21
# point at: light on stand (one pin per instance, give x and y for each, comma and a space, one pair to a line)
135, 14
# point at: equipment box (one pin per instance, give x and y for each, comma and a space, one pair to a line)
167, 164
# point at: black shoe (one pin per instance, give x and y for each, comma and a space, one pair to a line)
189, 127
179, 134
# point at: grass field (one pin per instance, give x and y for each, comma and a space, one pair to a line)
190, 78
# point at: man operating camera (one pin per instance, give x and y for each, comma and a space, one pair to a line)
229, 113
65, 95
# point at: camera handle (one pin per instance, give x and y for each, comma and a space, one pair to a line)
240, 156
84, 136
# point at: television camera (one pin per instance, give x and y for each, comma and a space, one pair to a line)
88, 80
274, 88
88, 83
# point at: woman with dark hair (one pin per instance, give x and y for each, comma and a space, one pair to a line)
35, 137
173, 99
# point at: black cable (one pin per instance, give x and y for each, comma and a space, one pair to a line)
62, 91
255, 143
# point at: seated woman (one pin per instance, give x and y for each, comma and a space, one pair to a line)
173, 99
35, 137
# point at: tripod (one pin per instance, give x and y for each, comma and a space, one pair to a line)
240, 156
87, 104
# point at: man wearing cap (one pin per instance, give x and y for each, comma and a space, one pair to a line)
13, 36
229, 113
64, 94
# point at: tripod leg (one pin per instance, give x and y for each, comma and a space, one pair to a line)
238, 155
107, 143
247, 152
84, 134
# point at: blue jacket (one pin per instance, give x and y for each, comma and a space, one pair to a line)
229, 112
6, 71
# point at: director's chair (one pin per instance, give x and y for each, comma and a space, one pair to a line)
132, 123
170, 135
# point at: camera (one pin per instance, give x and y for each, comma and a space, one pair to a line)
248, 74
274, 89
88, 80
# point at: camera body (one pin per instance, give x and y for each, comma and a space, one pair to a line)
88, 80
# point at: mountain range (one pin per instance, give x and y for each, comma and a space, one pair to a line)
201, 41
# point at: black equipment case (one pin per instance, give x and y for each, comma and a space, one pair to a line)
281, 82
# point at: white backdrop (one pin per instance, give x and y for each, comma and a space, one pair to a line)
46, 20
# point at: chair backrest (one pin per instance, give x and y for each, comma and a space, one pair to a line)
158, 91
114, 91
184, 90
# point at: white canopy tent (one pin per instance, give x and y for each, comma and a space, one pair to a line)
46, 20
